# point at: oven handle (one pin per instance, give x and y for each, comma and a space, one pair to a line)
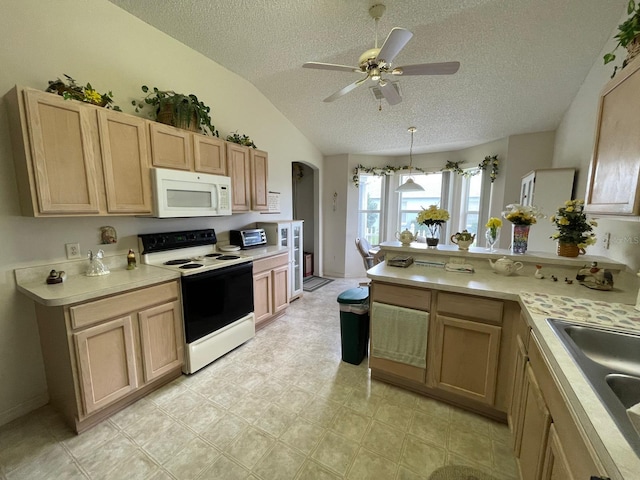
240, 268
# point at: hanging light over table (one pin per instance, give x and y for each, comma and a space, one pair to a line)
410, 185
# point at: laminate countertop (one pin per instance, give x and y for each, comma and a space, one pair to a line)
77, 287
539, 300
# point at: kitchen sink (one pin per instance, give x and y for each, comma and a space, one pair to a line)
610, 361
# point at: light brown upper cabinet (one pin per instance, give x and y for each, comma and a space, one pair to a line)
259, 174
173, 147
170, 147
615, 167
209, 155
77, 159
55, 154
248, 169
125, 162
239, 169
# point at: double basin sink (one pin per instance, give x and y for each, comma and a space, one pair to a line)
610, 361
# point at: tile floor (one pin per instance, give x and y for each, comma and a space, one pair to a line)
282, 406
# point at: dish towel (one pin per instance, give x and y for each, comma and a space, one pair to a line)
399, 334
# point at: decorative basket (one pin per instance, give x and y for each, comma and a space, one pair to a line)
569, 250
165, 115
633, 49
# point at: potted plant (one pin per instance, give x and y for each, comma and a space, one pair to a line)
241, 140
177, 109
575, 232
70, 90
628, 35
522, 217
433, 218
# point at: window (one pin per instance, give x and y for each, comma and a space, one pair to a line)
470, 205
370, 207
410, 203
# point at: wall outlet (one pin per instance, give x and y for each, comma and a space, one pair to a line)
73, 250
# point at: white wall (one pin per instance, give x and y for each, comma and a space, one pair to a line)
574, 148
95, 41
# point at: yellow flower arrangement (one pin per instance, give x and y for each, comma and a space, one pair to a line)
521, 214
494, 224
573, 226
433, 217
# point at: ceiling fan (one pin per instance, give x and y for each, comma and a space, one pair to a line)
376, 62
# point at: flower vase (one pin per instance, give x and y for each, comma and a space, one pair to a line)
569, 250
520, 239
492, 235
434, 236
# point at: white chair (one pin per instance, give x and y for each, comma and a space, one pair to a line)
370, 255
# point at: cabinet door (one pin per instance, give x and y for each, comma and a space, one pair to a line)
297, 256
161, 339
535, 429
466, 358
125, 162
262, 296
106, 363
238, 168
280, 288
62, 139
526, 189
555, 466
615, 169
259, 173
516, 414
209, 155
170, 147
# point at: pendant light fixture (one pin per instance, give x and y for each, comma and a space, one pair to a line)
410, 185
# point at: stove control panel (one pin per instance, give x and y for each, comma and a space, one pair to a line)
159, 242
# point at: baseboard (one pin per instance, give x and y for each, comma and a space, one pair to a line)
24, 408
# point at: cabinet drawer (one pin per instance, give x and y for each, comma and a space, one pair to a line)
474, 308
406, 297
118, 305
270, 263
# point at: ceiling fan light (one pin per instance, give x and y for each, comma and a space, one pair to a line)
375, 74
409, 186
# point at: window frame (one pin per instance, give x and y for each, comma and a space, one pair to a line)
381, 212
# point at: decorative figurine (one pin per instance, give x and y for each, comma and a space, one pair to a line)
538, 273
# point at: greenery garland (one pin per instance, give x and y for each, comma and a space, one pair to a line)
488, 162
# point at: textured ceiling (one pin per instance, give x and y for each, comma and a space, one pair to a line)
522, 62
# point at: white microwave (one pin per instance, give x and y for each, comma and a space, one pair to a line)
177, 193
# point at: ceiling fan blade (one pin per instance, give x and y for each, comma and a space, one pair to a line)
345, 90
389, 93
445, 68
331, 66
396, 40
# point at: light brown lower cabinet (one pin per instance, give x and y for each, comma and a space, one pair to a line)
548, 443
270, 288
469, 348
102, 355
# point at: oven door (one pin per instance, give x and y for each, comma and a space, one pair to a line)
214, 299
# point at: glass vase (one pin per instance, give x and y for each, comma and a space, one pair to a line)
520, 239
434, 236
492, 236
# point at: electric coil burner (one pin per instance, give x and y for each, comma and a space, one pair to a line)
217, 292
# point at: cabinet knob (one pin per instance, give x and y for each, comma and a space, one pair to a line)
594, 477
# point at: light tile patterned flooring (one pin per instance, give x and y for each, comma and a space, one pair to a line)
282, 406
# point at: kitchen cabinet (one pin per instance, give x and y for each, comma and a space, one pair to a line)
613, 183
248, 169
239, 169
180, 149
520, 358
466, 346
551, 444
411, 301
270, 288
102, 355
289, 234
76, 159
546, 189
125, 162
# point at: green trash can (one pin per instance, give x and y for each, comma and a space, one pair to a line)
354, 324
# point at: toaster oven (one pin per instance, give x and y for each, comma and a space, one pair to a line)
254, 237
